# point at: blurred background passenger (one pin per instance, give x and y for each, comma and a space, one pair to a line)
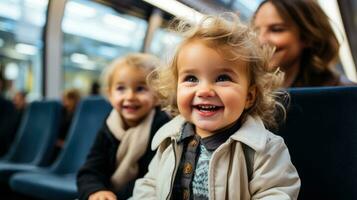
20, 103
10, 118
306, 46
70, 100
7, 124
95, 88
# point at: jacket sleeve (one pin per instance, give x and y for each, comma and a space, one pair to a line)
145, 187
274, 175
95, 174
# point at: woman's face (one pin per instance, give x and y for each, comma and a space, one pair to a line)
281, 34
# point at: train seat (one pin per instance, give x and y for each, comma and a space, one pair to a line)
321, 134
34, 141
59, 180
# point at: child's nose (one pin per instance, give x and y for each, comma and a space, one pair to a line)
130, 94
205, 90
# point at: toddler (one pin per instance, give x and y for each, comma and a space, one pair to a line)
218, 147
121, 152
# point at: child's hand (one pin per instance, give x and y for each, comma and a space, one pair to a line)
103, 195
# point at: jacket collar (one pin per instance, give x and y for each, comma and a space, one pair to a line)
252, 132
172, 129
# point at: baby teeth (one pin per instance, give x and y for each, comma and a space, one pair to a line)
207, 107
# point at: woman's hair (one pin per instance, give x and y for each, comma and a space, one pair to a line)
322, 46
234, 41
143, 61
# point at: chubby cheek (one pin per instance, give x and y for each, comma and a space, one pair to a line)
115, 100
184, 99
234, 99
147, 100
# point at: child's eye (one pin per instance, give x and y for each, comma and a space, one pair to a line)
120, 88
190, 78
141, 88
223, 77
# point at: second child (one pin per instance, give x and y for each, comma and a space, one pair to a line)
121, 152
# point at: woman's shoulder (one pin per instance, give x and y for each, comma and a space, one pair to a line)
344, 81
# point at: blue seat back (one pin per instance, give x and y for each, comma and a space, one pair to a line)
321, 134
37, 133
87, 121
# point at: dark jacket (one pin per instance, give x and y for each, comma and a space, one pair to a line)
95, 174
8, 124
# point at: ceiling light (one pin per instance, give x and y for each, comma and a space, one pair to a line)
11, 71
79, 58
177, 9
26, 49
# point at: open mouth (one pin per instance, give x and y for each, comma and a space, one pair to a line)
131, 107
207, 108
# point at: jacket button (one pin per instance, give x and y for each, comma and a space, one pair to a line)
186, 194
193, 143
187, 168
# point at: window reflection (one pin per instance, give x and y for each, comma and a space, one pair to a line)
164, 43
245, 7
94, 35
21, 27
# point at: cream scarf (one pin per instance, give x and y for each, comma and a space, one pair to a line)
133, 145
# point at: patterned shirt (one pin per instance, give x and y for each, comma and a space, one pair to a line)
191, 181
200, 178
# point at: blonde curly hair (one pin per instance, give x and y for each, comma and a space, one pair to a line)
234, 41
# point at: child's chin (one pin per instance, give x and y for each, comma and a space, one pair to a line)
209, 128
131, 116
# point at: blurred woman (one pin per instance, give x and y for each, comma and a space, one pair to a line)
306, 48
70, 99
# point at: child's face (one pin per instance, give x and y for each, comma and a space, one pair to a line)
211, 92
130, 96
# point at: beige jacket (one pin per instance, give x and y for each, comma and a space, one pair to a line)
274, 177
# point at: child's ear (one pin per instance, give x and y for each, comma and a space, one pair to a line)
252, 91
156, 101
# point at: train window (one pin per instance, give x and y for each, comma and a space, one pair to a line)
349, 17
95, 34
21, 46
163, 43
245, 7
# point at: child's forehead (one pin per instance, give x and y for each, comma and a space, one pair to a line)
130, 69
125, 72
224, 50
199, 53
